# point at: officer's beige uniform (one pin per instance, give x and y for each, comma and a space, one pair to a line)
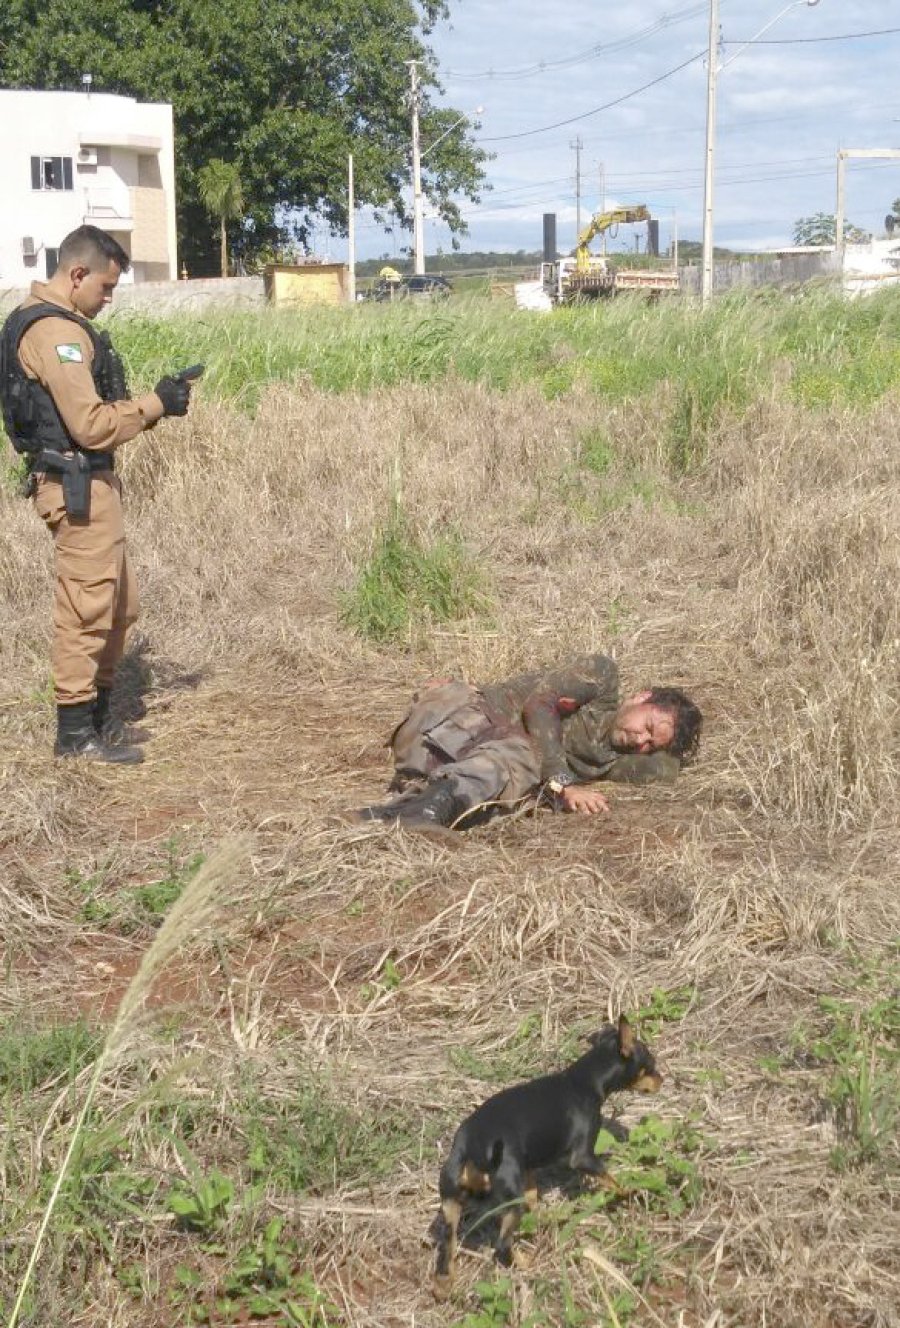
96, 595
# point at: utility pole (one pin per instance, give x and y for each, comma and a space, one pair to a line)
712, 74
577, 145
351, 233
418, 213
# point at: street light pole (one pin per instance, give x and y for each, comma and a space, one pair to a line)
712, 75
711, 94
577, 145
417, 157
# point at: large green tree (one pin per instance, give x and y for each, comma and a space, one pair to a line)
283, 89
820, 228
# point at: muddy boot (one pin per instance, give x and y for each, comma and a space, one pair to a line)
77, 736
437, 804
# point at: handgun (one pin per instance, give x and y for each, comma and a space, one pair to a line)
188, 375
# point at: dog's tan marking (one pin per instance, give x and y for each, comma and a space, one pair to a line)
473, 1179
648, 1081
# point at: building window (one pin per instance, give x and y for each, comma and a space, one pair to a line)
51, 172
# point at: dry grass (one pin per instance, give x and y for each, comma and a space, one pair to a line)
376, 977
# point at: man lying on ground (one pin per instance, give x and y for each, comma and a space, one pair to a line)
463, 749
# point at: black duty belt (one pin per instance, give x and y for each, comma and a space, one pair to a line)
96, 461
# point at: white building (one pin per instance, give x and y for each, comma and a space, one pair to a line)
73, 158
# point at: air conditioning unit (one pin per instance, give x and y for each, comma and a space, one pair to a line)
87, 157
28, 250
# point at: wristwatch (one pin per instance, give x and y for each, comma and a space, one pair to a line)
556, 783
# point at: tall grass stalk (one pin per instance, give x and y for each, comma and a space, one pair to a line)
189, 915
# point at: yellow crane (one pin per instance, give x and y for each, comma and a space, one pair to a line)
587, 276
600, 222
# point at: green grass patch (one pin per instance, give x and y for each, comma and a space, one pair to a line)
663, 1007
264, 1277
320, 1139
33, 1058
409, 583
131, 908
712, 361
857, 1047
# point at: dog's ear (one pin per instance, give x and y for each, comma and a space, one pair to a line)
626, 1037
594, 1039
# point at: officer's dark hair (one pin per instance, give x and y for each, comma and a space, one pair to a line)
686, 716
94, 248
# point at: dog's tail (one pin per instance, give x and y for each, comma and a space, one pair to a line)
468, 1173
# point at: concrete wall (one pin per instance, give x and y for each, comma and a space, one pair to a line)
170, 297
791, 269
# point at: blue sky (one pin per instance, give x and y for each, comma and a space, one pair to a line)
785, 105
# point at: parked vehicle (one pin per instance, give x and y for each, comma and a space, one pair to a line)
428, 285
421, 286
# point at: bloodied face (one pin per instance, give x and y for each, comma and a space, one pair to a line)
641, 726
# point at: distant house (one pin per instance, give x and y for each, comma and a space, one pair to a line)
70, 158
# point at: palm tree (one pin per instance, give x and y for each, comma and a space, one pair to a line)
222, 194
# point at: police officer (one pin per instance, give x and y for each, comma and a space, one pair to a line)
66, 407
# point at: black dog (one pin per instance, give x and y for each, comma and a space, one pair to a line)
552, 1119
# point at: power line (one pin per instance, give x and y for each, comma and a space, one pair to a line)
805, 41
528, 133
591, 53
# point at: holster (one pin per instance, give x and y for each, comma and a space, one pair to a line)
76, 481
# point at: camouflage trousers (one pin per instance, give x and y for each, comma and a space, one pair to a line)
449, 734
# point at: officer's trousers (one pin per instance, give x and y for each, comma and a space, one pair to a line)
449, 734
96, 594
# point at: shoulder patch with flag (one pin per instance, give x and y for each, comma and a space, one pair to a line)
70, 353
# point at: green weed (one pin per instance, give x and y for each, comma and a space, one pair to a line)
595, 452
656, 1161
494, 1308
14, 472
620, 349
202, 1204
664, 1007
389, 979
860, 1054
262, 1279
322, 1138
407, 584
33, 1058
155, 898
130, 908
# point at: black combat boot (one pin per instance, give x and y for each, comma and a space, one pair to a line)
77, 736
437, 804
101, 709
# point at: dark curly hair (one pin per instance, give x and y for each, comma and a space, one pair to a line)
687, 717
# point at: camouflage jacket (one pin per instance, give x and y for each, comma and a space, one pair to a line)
568, 714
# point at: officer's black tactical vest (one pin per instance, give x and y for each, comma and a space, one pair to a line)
30, 417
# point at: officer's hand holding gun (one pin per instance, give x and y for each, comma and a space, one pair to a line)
174, 390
